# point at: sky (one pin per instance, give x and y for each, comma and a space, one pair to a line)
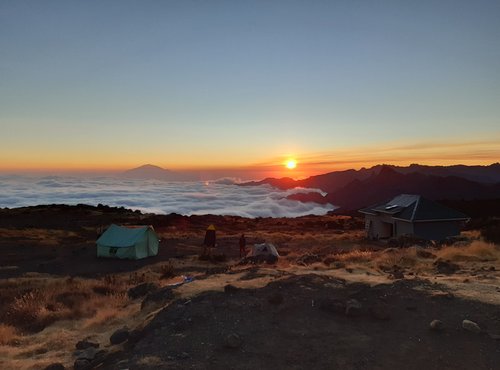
244, 85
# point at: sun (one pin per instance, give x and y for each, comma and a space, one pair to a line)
291, 164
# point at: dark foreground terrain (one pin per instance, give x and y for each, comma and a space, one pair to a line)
332, 301
302, 322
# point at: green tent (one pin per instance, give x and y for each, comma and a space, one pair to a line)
128, 242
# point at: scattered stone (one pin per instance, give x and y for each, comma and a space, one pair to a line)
466, 281
141, 290
380, 312
446, 267
55, 366
84, 344
276, 298
332, 305
349, 270
233, 341
471, 326
492, 268
86, 354
82, 364
119, 336
436, 325
353, 307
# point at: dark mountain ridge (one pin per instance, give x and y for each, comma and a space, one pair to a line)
353, 189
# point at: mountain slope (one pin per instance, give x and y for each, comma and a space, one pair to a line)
149, 171
389, 183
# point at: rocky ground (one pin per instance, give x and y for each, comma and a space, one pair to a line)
333, 300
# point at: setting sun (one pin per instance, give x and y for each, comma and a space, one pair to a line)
291, 164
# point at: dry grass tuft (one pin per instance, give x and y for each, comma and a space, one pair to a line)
32, 309
8, 334
476, 251
354, 256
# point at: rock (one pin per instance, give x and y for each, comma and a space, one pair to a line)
233, 341
436, 325
276, 298
87, 354
446, 267
331, 305
353, 307
134, 336
141, 290
84, 344
158, 297
492, 268
119, 336
349, 270
55, 366
471, 326
82, 364
380, 312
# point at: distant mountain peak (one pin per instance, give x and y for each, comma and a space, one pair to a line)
151, 171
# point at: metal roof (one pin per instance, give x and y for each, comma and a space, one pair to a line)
410, 207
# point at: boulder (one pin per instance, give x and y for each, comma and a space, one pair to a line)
436, 325
141, 290
353, 307
119, 336
471, 326
87, 354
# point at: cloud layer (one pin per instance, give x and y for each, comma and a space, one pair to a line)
193, 198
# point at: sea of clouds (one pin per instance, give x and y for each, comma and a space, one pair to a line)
220, 197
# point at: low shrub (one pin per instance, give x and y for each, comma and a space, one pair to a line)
476, 251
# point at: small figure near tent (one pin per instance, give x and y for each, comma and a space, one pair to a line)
243, 244
210, 240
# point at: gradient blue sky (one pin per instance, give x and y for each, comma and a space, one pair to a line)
225, 84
